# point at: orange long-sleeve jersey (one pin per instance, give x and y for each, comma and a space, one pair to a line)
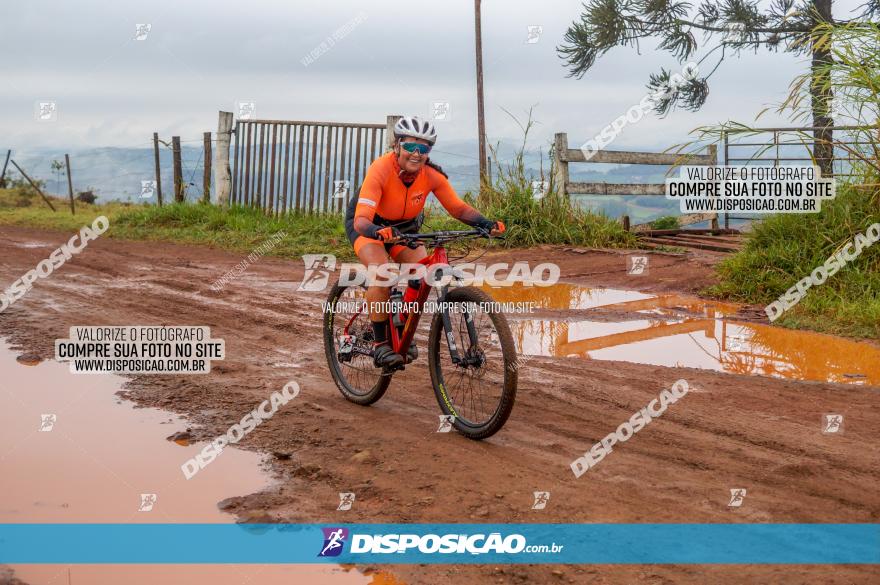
383, 193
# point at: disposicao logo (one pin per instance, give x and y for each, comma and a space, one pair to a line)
334, 541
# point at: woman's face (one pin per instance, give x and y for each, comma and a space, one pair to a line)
411, 162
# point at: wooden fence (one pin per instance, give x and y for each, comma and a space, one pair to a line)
563, 156
285, 165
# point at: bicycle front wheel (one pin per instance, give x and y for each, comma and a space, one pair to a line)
480, 390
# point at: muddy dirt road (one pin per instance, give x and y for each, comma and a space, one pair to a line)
732, 430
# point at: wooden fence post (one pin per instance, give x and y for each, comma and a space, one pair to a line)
178, 170
34, 185
158, 173
3, 174
222, 172
560, 158
206, 177
390, 121
69, 183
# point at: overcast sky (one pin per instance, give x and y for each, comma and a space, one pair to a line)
203, 56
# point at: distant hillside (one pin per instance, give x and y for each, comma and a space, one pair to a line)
116, 173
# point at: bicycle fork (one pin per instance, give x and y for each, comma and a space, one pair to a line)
450, 332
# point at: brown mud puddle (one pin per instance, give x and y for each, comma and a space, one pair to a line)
681, 331
72, 451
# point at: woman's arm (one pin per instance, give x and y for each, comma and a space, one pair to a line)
368, 200
457, 208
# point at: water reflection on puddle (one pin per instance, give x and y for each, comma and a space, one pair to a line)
71, 451
563, 296
678, 331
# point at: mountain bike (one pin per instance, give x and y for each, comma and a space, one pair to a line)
471, 355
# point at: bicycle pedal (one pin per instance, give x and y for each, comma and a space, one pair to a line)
388, 370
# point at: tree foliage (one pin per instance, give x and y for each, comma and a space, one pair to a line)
727, 27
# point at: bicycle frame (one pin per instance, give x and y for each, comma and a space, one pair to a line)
400, 342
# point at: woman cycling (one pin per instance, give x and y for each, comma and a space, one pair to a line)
390, 202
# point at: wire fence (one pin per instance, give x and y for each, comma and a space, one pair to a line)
114, 173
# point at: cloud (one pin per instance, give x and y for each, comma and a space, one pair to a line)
200, 57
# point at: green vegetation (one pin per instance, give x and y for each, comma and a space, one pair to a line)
551, 219
667, 222
783, 249
241, 228
238, 228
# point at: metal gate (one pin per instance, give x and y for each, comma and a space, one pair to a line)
795, 146
284, 165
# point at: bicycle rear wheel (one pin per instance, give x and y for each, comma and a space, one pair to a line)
350, 359
480, 392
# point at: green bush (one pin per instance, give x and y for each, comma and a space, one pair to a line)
551, 219
667, 222
783, 249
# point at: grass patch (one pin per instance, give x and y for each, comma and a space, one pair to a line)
667, 222
552, 219
239, 229
783, 249
236, 228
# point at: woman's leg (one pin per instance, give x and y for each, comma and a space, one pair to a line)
404, 255
372, 253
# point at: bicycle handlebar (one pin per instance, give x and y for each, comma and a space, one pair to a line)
447, 236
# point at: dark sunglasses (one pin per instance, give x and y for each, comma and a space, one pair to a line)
416, 147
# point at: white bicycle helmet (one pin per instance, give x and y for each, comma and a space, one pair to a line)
415, 127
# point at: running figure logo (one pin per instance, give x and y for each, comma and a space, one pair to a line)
541, 499
340, 189
334, 541
147, 502
737, 342
540, 189
318, 269
737, 495
46, 111
833, 423
346, 343
440, 110
346, 499
148, 188
446, 421
638, 265
247, 110
141, 31
535, 31
47, 422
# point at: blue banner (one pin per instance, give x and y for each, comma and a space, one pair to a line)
441, 543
